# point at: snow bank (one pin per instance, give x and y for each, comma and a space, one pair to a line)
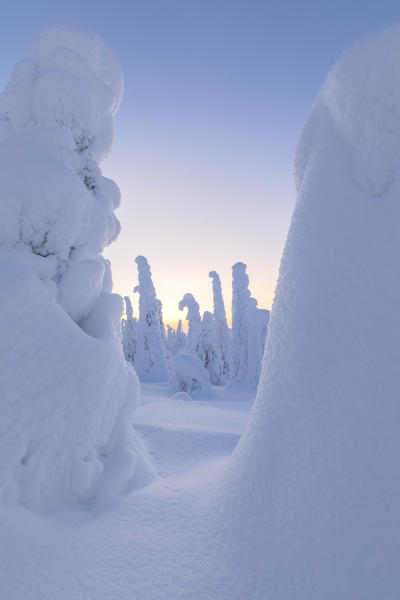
313, 494
67, 395
187, 374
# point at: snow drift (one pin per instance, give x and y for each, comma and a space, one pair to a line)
67, 395
313, 491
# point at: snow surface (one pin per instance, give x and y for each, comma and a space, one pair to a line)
156, 543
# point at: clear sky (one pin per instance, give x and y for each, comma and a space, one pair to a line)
216, 92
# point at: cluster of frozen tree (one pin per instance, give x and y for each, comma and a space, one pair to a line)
227, 355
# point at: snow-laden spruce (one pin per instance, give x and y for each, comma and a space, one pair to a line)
207, 349
240, 334
187, 374
193, 318
222, 333
150, 362
313, 494
175, 340
249, 330
67, 394
129, 332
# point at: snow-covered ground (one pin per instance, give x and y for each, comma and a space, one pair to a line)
146, 545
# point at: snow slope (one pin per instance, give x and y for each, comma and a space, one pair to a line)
311, 500
152, 544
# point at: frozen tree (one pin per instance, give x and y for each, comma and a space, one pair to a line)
67, 394
129, 332
187, 374
208, 352
170, 342
249, 330
239, 364
312, 494
180, 336
194, 320
150, 362
175, 340
161, 320
222, 333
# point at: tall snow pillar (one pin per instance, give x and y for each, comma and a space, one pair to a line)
239, 339
313, 492
194, 319
150, 363
221, 327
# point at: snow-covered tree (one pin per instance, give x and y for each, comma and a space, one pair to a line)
150, 362
194, 321
175, 340
258, 319
313, 492
249, 330
239, 362
208, 352
129, 332
222, 333
187, 374
67, 394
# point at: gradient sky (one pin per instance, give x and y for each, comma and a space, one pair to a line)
216, 93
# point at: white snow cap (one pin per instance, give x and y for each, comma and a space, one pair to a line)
69, 77
57, 124
313, 493
364, 104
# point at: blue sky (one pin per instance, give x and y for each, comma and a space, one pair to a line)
216, 93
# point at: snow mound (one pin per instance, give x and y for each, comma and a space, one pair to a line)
187, 374
67, 394
312, 494
181, 396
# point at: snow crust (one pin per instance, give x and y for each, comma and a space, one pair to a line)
312, 496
